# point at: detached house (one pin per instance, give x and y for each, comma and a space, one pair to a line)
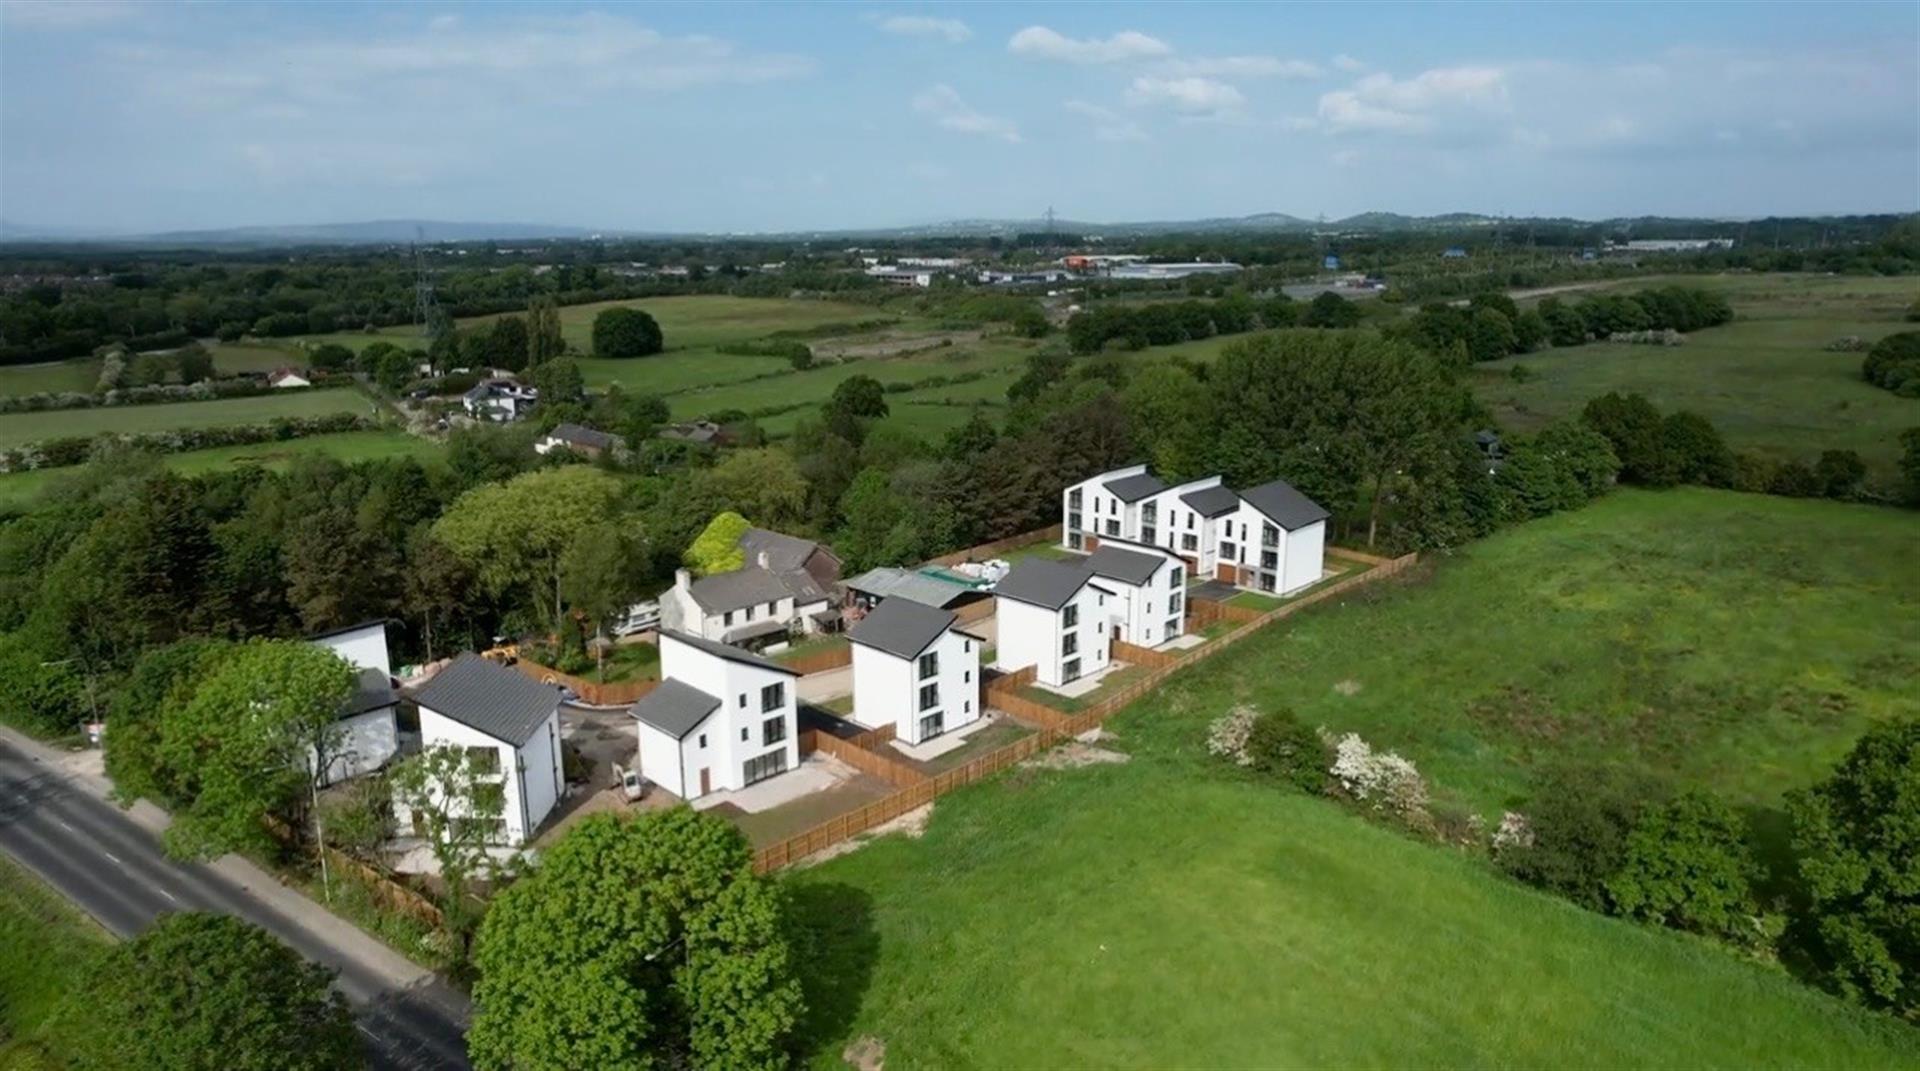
786, 586
578, 438
369, 729
1146, 591
499, 399
720, 719
915, 670
1269, 538
511, 723
1052, 617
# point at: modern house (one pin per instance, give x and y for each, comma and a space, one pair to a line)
720, 719
1269, 538
1146, 589
578, 438
288, 377
914, 669
1051, 616
370, 732
787, 585
499, 399
510, 723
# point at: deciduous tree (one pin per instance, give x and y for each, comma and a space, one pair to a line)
625, 332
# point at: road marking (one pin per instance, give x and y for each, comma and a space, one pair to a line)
63, 825
363, 1029
170, 897
111, 856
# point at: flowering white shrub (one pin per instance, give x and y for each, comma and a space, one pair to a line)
1227, 736
1514, 832
1381, 778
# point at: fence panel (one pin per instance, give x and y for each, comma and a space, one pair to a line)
819, 661
1049, 534
896, 773
1122, 651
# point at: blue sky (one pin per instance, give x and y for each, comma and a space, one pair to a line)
122, 116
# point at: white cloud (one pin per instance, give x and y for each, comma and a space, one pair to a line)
1348, 64
1039, 42
63, 14
948, 111
1378, 102
1193, 96
1242, 67
1108, 125
951, 30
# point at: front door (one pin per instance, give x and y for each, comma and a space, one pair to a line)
1223, 571
706, 781
1093, 544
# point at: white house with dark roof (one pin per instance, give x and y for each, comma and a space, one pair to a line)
1146, 588
510, 723
721, 718
1053, 617
370, 733
786, 585
580, 439
499, 399
914, 669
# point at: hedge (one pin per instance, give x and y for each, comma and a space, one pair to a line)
76, 449
157, 394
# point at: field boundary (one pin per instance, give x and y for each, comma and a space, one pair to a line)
1056, 728
1049, 534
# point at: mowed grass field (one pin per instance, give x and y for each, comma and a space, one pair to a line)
44, 941
1166, 913
83, 373
1765, 380
19, 428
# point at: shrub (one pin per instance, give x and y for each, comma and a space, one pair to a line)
1795, 480
1580, 821
1634, 428
1698, 453
1279, 746
1381, 779
1840, 473
1227, 736
1687, 865
1894, 362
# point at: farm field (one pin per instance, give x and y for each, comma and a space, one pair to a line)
1765, 380
43, 943
82, 373
1300, 935
19, 428
348, 446
996, 357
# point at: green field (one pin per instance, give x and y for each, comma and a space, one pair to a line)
83, 373
346, 445
19, 428
1164, 913
1765, 379
43, 943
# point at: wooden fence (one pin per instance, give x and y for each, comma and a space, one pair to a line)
594, 693
874, 738
1049, 534
974, 611
894, 772
1122, 651
819, 661
1204, 612
1057, 727
1357, 556
379, 882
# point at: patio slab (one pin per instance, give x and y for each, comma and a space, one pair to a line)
943, 743
1077, 688
1182, 642
816, 773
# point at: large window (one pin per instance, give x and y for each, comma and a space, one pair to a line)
1149, 512
1073, 498
1149, 534
1073, 520
929, 664
757, 770
773, 697
1070, 671
1113, 528
1226, 552
772, 731
1176, 576
1070, 643
1269, 536
1070, 616
1269, 559
1190, 542
929, 696
933, 725
1176, 602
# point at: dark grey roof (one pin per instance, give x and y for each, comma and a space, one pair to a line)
738, 590
1132, 566
1212, 501
766, 626
801, 585
1134, 488
372, 690
674, 707
583, 436
485, 695
1282, 502
887, 581
728, 652
782, 551
1043, 582
901, 627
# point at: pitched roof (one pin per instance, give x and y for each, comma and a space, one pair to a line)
888, 581
1136, 487
1043, 582
582, 435
782, 550
481, 694
1212, 501
726, 651
738, 590
901, 627
674, 707
1131, 566
1282, 502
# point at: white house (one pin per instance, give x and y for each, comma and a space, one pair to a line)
1146, 591
370, 732
288, 377
785, 586
1268, 538
721, 718
511, 723
499, 399
1051, 616
915, 670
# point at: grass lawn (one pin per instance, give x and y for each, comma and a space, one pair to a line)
19, 428
983, 741
816, 384
1043, 549
1109, 684
810, 646
43, 943
1765, 380
1253, 600
1165, 912
83, 373
789, 819
631, 662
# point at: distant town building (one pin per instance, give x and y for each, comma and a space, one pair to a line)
1675, 245
1330, 263
1453, 252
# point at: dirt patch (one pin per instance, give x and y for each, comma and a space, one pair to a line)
895, 346
1348, 687
1073, 754
868, 1053
912, 824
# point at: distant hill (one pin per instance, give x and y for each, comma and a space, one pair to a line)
371, 232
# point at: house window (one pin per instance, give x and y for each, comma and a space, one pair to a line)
1070, 671
773, 697
1226, 552
1175, 577
772, 731
966, 707
929, 696
759, 769
1073, 520
1070, 643
771, 607
1073, 540
1190, 522
743, 735
1175, 603
932, 725
1173, 627
1149, 534
749, 613
929, 664
1269, 536
726, 618
1149, 513
1269, 560
966, 677
743, 700
1149, 605
1266, 582
966, 646
1073, 498
1190, 542
703, 741
484, 760
1070, 616
1113, 528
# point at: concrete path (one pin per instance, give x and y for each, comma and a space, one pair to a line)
829, 684
55, 819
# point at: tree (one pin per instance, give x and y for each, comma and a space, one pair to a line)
1581, 820
1565, 325
598, 577
194, 363
636, 943
764, 484
1696, 450
332, 357
1840, 472
1281, 746
456, 804
1857, 835
1686, 865
1634, 427
163, 681
513, 535
971, 439
717, 548
623, 332
1172, 414
506, 343
1490, 335
558, 381
855, 401
1894, 363
544, 342
880, 527
1910, 463
437, 585
203, 992
1329, 309
395, 370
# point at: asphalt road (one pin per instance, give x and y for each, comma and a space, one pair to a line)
114, 870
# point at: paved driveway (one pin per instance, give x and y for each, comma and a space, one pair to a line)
820, 687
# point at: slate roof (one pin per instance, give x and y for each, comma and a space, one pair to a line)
888, 581
728, 652
901, 627
1130, 566
1282, 502
1136, 487
738, 590
782, 550
372, 690
1043, 582
766, 626
505, 704
583, 436
1212, 501
674, 707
